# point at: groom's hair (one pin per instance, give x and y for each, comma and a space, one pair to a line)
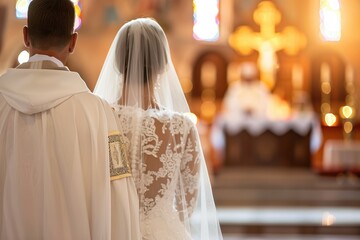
50, 23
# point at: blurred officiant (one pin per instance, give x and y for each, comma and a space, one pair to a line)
247, 97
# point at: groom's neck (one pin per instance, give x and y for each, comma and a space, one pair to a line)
59, 54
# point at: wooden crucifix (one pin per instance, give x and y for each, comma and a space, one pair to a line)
267, 42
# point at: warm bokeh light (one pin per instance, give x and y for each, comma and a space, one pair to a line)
278, 108
325, 73
208, 94
208, 74
325, 108
348, 127
208, 109
330, 119
326, 87
186, 85
330, 20
206, 20
328, 219
23, 57
346, 112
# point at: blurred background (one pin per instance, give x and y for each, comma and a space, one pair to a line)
274, 86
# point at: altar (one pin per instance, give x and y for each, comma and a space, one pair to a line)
249, 141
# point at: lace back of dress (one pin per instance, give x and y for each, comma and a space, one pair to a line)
165, 152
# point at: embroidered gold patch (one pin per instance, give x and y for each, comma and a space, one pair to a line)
119, 164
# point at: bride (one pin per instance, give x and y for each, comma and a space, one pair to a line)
139, 80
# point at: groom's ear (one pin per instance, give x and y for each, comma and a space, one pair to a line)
26, 36
73, 42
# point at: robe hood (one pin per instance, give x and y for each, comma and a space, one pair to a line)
36, 90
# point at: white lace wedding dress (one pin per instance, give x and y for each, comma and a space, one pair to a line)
165, 152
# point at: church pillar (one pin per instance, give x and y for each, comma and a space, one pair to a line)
227, 19
2, 24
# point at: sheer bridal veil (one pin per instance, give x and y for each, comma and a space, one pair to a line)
139, 80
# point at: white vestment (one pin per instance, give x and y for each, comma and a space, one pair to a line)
54, 160
247, 97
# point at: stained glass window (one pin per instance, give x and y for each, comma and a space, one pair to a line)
330, 20
22, 8
23, 5
77, 14
206, 20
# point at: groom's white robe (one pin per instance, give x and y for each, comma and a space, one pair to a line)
54, 160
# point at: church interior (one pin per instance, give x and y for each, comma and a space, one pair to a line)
283, 167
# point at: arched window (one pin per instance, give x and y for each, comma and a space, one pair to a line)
206, 20
77, 14
330, 20
22, 8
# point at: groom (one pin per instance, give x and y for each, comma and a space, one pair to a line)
60, 150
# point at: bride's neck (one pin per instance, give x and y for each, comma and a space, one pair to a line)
147, 100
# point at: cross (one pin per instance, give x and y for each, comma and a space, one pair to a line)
267, 42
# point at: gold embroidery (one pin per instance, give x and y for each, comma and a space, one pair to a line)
119, 165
